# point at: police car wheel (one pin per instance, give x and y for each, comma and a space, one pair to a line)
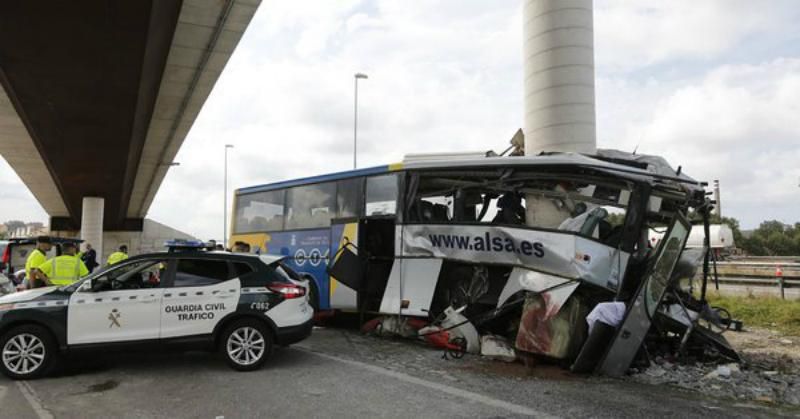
27, 352
246, 345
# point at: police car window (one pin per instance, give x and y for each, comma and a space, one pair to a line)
137, 275
240, 269
200, 272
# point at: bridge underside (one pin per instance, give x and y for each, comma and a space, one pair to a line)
97, 97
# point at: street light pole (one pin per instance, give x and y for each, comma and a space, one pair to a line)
355, 118
225, 201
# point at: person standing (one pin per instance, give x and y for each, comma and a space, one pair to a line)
118, 256
65, 269
89, 258
37, 257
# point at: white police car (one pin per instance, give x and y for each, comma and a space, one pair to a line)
238, 304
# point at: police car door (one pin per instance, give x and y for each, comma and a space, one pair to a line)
123, 304
203, 291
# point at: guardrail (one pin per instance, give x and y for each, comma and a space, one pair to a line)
759, 273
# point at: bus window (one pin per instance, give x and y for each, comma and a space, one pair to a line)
382, 195
500, 208
262, 211
311, 206
432, 209
349, 197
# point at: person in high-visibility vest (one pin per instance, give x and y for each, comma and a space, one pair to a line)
65, 269
118, 256
35, 259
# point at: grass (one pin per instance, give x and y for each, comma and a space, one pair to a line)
767, 312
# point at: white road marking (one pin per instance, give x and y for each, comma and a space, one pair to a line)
453, 391
33, 400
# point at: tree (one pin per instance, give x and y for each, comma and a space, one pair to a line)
773, 238
768, 228
780, 244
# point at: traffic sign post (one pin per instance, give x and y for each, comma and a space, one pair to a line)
779, 276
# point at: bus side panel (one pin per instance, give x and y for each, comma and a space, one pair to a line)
343, 297
308, 252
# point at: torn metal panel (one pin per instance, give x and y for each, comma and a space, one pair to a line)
558, 288
409, 290
550, 329
564, 254
639, 317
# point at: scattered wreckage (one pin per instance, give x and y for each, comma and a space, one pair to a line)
467, 265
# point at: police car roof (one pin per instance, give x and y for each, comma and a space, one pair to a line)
215, 254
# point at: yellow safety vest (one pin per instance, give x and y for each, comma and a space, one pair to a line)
36, 258
116, 257
64, 269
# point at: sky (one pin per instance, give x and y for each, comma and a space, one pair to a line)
712, 85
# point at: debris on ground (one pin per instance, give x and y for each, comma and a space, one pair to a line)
497, 348
770, 377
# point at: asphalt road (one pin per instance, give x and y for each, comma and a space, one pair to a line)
340, 373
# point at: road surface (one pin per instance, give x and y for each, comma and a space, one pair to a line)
340, 373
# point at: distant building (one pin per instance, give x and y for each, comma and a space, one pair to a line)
29, 230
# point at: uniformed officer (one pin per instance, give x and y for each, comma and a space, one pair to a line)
65, 269
118, 256
37, 257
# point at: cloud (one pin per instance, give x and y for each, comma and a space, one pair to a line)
737, 124
633, 34
700, 82
17, 201
436, 83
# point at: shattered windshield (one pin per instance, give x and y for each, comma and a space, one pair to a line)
672, 246
594, 207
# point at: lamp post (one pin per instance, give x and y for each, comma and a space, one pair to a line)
355, 118
225, 201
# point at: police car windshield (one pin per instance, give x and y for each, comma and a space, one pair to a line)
74, 286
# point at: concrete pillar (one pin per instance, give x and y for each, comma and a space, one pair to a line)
92, 224
717, 198
558, 48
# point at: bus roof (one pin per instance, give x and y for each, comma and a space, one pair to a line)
377, 170
642, 168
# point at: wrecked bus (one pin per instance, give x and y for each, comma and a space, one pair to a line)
451, 244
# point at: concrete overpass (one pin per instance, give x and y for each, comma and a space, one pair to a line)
97, 97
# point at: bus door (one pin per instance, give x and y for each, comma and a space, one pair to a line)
345, 267
377, 234
363, 259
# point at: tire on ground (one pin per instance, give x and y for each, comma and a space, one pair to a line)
48, 352
231, 340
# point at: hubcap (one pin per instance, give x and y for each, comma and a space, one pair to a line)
246, 346
23, 354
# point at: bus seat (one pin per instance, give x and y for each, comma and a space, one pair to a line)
425, 210
439, 213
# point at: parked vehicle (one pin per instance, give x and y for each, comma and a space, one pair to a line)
239, 305
17, 250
